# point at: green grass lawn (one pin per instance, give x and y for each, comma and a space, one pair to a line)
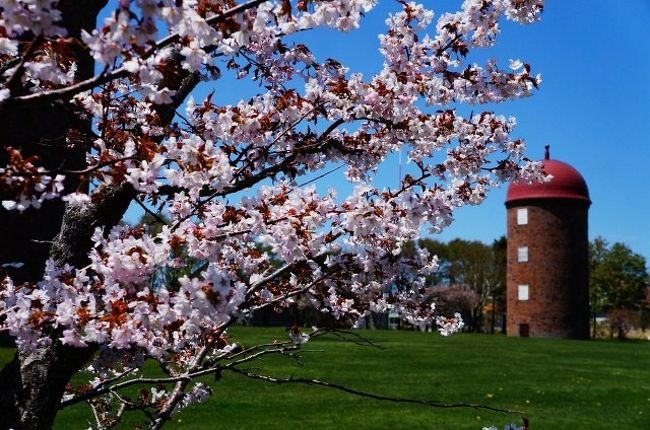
560, 384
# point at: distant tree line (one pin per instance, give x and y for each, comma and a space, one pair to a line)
471, 279
619, 287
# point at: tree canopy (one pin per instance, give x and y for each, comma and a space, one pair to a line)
619, 276
474, 267
618, 282
97, 117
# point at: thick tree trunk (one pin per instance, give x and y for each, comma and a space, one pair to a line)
27, 402
55, 134
33, 383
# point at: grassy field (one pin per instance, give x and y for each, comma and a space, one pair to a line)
560, 384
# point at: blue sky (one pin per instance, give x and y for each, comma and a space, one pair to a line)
593, 107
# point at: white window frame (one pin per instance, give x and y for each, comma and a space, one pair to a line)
523, 292
522, 216
522, 254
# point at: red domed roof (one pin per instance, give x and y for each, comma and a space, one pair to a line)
567, 183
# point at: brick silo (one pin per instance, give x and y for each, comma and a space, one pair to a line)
548, 269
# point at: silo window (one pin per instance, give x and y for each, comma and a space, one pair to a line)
522, 216
522, 292
522, 254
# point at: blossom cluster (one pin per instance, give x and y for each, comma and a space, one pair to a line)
29, 184
344, 256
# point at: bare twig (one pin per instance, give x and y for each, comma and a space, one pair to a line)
87, 170
98, 420
321, 176
150, 212
284, 350
429, 403
120, 413
347, 335
97, 166
116, 377
241, 357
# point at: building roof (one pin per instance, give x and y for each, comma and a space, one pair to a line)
567, 183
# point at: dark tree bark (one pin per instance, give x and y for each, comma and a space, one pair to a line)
58, 137
33, 383
54, 133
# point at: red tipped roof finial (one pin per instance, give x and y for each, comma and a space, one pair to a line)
547, 152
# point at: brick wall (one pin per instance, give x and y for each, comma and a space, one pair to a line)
557, 271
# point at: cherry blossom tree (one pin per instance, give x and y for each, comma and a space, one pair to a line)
96, 117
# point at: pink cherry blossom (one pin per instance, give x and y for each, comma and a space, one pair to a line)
240, 230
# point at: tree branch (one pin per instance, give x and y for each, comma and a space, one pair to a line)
360, 340
429, 403
287, 295
185, 377
107, 76
20, 68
